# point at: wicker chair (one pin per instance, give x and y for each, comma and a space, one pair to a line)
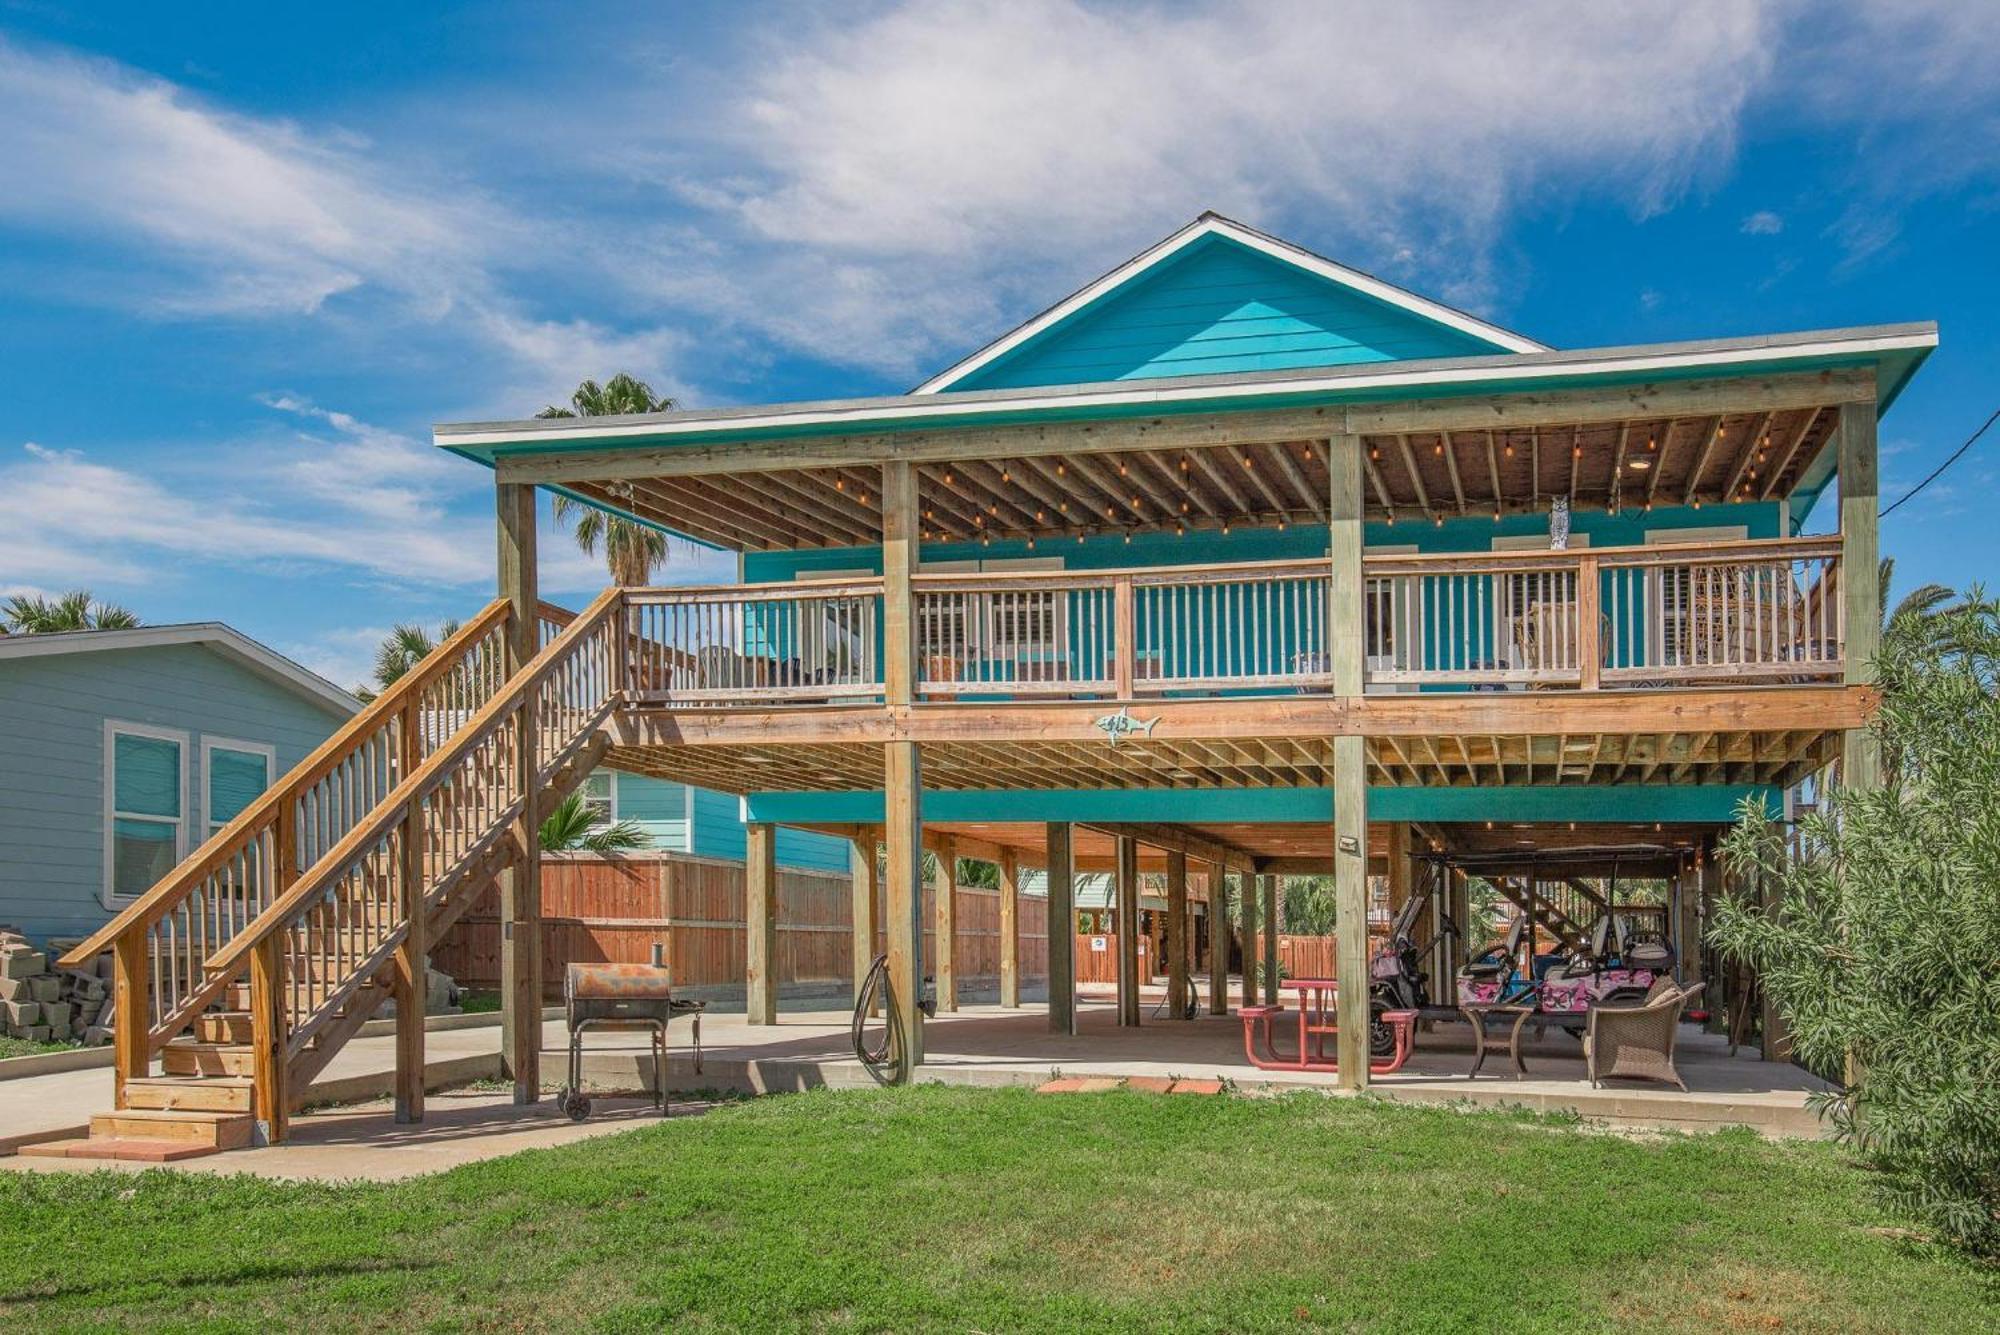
1637, 1041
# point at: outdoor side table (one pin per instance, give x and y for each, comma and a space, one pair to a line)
1476, 1016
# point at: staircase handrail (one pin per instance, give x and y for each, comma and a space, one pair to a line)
394, 807
232, 838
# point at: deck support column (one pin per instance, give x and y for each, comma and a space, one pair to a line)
1345, 590
1062, 930
521, 885
1218, 941
1246, 929
1127, 882
409, 969
1860, 590
1010, 929
865, 901
1177, 934
760, 914
946, 935
903, 828
1269, 915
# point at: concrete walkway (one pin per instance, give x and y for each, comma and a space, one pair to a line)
978, 1045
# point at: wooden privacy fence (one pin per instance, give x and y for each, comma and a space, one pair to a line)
599, 909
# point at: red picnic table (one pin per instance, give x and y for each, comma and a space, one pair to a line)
1317, 1012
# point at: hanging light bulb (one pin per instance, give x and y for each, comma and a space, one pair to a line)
1306, 454
947, 477
840, 484
1508, 449
1063, 506
1225, 528
864, 498
1122, 470
1375, 452
1006, 475
1040, 515
1652, 443
1110, 511
1281, 524
1031, 544
1061, 468
1184, 507
1248, 461
1184, 463
1128, 538
1439, 519
1079, 539
1180, 530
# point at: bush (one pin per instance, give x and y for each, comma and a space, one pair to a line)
1877, 929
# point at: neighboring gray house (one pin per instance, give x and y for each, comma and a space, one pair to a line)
680, 819
122, 750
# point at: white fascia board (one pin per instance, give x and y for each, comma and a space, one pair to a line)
213, 634
1495, 373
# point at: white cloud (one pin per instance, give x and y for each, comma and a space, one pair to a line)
896, 180
1763, 223
206, 213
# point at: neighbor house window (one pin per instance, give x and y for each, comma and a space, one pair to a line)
600, 797
145, 778
235, 773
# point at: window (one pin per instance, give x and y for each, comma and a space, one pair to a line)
837, 635
145, 780
234, 774
1537, 608
1686, 627
600, 796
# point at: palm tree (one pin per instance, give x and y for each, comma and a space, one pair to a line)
31, 615
632, 551
404, 647
569, 827
1919, 605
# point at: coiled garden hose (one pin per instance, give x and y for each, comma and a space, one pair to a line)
885, 1064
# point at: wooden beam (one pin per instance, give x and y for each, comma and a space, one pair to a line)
1450, 453
1860, 588
1246, 913
1708, 444
1010, 929
899, 562
1777, 471
1061, 929
1660, 399
1350, 893
1416, 478
902, 834
521, 885
1177, 942
1746, 458
1218, 939
1126, 881
945, 935
865, 901
760, 913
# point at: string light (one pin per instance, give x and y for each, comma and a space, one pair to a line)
864, 498
1281, 524
1184, 463
1063, 506
1306, 454
1122, 470
1439, 520
1508, 448
1375, 452
1652, 443
1128, 538
1248, 461
1135, 502
1079, 539
947, 478
1225, 528
1438, 449
1180, 530
1040, 515
1006, 476
1110, 511
1061, 468
1031, 544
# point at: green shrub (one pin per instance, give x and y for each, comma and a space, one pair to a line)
1877, 928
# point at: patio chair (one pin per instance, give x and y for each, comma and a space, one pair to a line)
1637, 1041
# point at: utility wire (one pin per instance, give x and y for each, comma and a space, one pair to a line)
1970, 441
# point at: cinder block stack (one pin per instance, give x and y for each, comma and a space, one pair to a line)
48, 1005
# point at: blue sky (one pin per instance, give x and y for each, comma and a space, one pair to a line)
249, 253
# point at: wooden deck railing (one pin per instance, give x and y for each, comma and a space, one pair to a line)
163, 941
1626, 617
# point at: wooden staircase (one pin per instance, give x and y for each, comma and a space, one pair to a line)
248, 968
1564, 909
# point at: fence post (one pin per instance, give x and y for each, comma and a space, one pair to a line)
1589, 623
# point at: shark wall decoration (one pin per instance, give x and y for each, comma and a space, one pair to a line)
1121, 725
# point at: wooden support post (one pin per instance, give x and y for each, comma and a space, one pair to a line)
1010, 929
903, 831
1269, 916
1860, 589
1345, 589
1124, 640
1177, 925
1246, 903
1589, 623
760, 914
946, 934
865, 902
1126, 879
131, 985
521, 885
409, 967
270, 1092
1218, 940
1062, 931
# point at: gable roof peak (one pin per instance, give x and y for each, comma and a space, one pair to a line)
1211, 223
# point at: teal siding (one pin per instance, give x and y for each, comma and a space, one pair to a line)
657, 807
1219, 306
52, 715
718, 833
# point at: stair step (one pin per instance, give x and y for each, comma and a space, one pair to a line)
214, 1093
217, 1130
225, 1027
133, 1149
182, 1057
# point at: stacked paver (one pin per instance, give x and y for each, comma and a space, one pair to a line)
47, 1005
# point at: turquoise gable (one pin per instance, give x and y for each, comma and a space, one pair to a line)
1220, 306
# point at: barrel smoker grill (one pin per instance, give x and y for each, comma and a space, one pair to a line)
628, 997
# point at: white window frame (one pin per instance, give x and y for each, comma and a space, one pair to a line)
210, 745
1678, 607
812, 629
611, 817
113, 730
980, 636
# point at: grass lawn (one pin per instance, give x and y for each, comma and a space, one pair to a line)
21, 1047
956, 1209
